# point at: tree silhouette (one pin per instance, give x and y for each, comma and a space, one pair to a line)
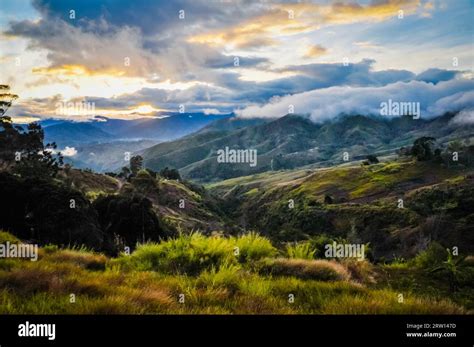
6, 98
422, 148
23, 150
136, 164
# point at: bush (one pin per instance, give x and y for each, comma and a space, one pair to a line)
171, 174
228, 276
191, 254
321, 270
302, 250
434, 255
188, 254
319, 242
130, 218
253, 247
7, 237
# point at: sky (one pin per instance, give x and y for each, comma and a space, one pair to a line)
254, 58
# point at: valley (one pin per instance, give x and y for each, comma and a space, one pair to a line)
242, 237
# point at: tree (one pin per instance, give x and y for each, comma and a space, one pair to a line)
136, 164
37, 159
171, 174
422, 148
6, 99
144, 182
278, 163
23, 150
124, 172
372, 159
131, 219
43, 211
404, 151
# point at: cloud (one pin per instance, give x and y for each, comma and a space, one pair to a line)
86, 57
436, 75
280, 19
367, 45
208, 111
315, 51
69, 152
325, 104
87, 52
464, 117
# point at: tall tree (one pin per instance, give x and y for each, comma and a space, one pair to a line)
423, 148
136, 164
23, 150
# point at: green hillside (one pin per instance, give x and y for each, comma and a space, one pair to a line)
359, 204
294, 141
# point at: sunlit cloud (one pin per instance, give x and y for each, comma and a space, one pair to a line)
76, 70
291, 19
151, 63
315, 51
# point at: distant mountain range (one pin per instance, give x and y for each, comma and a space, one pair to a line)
294, 141
100, 144
102, 129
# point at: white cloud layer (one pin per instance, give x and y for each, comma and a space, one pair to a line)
325, 104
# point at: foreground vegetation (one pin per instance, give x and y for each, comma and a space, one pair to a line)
195, 274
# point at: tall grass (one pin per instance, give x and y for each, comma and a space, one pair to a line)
193, 253
302, 250
213, 277
252, 247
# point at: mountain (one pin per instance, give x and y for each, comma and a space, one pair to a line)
232, 123
294, 141
171, 127
102, 129
72, 133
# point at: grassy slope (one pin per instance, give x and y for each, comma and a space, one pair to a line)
349, 182
200, 211
106, 286
364, 202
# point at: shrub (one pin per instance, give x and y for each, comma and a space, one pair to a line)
321, 270
228, 276
188, 254
319, 242
7, 237
191, 254
171, 174
130, 218
253, 247
435, 254
302, 250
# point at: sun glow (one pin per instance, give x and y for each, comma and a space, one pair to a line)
145, 109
